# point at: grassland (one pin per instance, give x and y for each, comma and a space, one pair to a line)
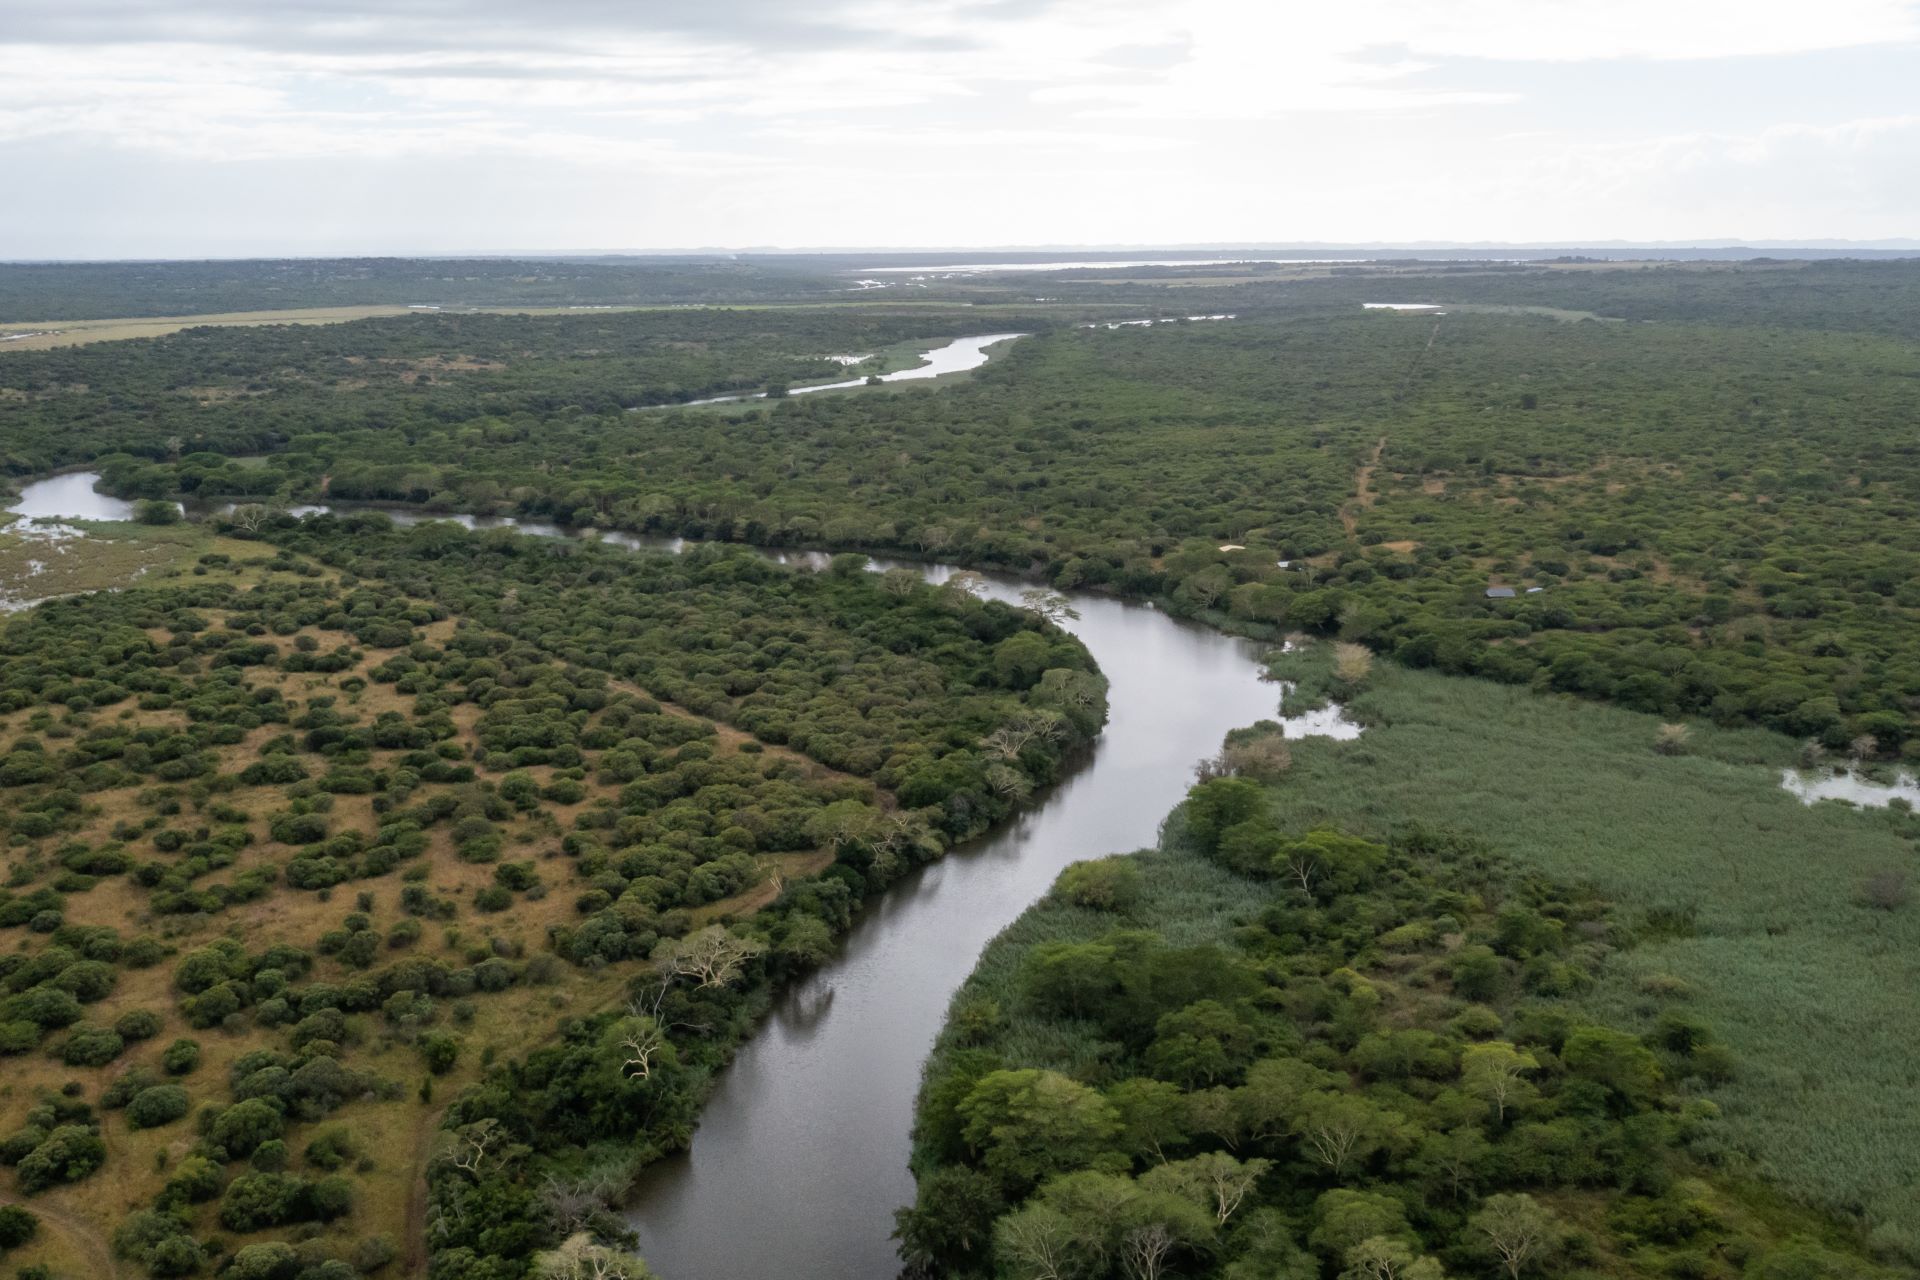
43, 335
1746, 895
43, 561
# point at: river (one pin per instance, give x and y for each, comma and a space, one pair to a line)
956, 356
801, 1154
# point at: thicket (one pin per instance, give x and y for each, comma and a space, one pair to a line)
1311, 1055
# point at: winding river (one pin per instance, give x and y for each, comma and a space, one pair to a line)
801, 1154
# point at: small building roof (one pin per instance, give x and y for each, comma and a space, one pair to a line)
1499, 593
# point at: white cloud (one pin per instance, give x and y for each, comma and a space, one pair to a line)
952, 120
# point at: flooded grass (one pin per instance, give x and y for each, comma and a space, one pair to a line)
1755, 900
44, 560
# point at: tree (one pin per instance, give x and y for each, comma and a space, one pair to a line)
963, 587
642, 1041
1213, 807
1518, 1229
712, 956
1048, 605
1215, 1180
1039, 1243
1144, 1249
1614, 1059
579, 1258
1496, 1071
1383, 1258
1271, 1097
899, 583
1341, 1129
250, 517
472, 1145
1028, 1123
1344, 1219
1329, 862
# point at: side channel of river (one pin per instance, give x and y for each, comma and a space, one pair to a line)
801, 1154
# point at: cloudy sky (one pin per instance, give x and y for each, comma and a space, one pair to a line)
229, 127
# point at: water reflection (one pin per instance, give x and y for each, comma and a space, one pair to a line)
955, 357
1851, 785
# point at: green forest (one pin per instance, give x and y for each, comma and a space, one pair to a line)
375, 799
1267, 1052
381, 897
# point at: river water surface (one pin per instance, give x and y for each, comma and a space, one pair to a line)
801, 1154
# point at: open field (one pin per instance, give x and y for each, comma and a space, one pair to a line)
72, 333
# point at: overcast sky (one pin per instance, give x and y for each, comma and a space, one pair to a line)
232, 127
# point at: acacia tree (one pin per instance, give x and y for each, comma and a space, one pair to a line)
1340, 1129
1214, 1179
579, 1257
712, 956
1495, 1071
1518, 1229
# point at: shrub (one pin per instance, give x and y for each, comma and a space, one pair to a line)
160, 1242
181, 1057
196, 1181
18, 1037
441, 1051
330, 1149
137, 1024
1884, 891
245, 1125
68, 1154
160, 1104
1105, 884
257, 1200
17, 1226
91, 1047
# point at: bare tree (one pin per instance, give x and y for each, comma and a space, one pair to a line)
642, 1042
1144, 1250
1303, 864
1518, 1229
712, 956
1008, 783
579, 1258
472, 1142
899, 582
1007, 742
1040, 1242
1051, 605
249, 516
963, 586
